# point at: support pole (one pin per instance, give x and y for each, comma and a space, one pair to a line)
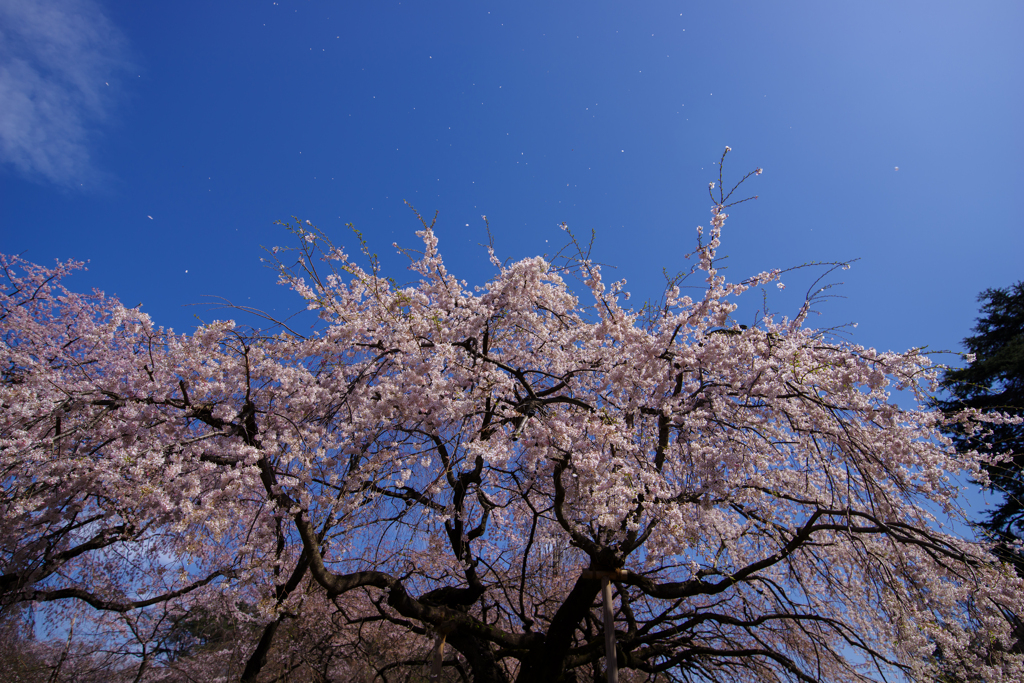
437, 655
611, 663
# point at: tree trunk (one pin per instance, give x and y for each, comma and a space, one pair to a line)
546, 664
478, 653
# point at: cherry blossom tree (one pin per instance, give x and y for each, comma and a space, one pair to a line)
772, 512
84, 472
116, 495
433, 467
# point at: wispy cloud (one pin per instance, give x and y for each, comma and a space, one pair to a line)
60, 65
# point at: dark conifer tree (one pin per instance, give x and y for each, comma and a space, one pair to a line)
994, 381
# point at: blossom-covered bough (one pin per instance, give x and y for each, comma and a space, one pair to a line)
439, 464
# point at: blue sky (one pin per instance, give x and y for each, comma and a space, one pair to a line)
161, 141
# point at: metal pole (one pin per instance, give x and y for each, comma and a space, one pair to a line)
611, 663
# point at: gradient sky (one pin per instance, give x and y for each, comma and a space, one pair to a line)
160, 141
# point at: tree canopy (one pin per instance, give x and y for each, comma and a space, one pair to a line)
437, 458
993, 380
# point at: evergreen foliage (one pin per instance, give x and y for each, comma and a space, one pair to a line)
994, 381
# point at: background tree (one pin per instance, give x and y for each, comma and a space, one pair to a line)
993, 380
119, 493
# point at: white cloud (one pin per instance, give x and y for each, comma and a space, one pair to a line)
60, 67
